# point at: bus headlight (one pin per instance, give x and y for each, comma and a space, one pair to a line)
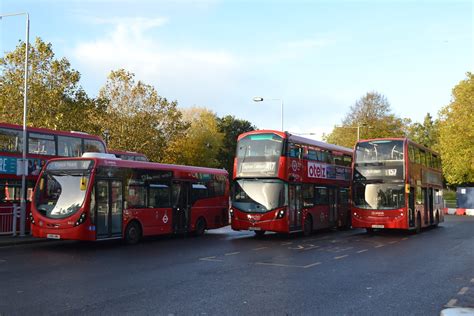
281, 214
81, 219
231, 212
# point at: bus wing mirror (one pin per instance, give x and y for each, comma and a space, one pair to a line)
83, 184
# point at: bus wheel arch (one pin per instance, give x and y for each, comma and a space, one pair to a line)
308, 225
200, 227
133, 232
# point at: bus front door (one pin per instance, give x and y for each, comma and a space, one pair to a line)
411, 207
295, 207
181, 207
109, 207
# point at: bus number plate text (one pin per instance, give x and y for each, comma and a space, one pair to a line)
53, 236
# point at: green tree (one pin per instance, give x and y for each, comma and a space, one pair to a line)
372, 116
231, 128
55, 98
201, 144
427, 133
456, 134
137, 118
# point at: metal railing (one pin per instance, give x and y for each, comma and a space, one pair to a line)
8, 219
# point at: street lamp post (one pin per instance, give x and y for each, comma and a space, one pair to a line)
24, 162
260, 99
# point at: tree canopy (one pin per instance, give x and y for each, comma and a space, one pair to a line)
137, 118
200, 144
456, 134
372, 117
55, 98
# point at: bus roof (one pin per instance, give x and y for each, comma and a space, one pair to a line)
51, 131
404, 139
301, 140
147, 165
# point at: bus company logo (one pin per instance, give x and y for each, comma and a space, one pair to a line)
317, 170
294, 166
165, 218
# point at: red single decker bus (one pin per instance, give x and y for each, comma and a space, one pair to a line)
397, 184
42, 145
286, 183
100, 197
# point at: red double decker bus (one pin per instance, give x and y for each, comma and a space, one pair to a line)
286, 183
42, 145
101, 197
397, 184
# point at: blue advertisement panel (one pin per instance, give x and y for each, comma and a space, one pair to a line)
8, 165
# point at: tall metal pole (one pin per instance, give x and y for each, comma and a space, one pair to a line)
25, 112
24, 163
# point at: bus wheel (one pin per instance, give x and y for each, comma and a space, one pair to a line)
436, 219
200, 227
133, 233
418, 224
308, 226
259, 233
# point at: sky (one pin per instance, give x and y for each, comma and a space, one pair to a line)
316, 57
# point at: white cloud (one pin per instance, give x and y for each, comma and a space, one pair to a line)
174, 71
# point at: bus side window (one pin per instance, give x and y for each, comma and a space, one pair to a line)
321, 195
10, 140
159, 196
308, 195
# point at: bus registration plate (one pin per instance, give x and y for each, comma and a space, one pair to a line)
378, 226
255, 228
53, 236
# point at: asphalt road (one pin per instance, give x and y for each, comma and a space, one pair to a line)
230, 273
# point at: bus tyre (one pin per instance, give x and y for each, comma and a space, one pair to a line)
133, 233
436, 219
200, 227
308, 226
259, 233
418, 224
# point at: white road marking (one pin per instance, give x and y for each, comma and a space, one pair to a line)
363, 250
463, 291
378, 246
213, 258
288, 265
340, 257
261, 248
312, 247
452, 303
3, 261
286, 243
393, 242
232, 253
472, 280
312, 265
